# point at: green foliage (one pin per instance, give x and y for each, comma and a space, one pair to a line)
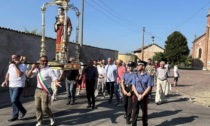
159, 56
188, 61
34, 31
176, 48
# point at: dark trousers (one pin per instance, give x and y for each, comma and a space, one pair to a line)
116, 91
127, 102
150, 92
15, 93
90, 84
144, 107
110, 89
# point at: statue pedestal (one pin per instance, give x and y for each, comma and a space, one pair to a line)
66, 66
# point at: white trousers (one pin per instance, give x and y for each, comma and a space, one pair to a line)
161, 90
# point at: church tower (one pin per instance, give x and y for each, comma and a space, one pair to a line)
207, 52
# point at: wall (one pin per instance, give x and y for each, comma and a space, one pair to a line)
149, 52
126, 57
198, 63
12, 41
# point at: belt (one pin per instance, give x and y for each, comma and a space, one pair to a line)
161, 79
39, 88
140, 93
127, 85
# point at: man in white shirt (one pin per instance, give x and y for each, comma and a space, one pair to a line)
15, 78
167, 67
176, 74
58, 74
45, 75
111, 76
162, 82
101, 81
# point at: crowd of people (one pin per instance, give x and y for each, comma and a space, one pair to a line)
130, 83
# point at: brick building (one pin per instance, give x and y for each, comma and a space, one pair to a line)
201, 49
149, 51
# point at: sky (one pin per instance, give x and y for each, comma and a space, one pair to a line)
115, 24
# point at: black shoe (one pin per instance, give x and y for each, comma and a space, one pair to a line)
117, 103
13, 119
73, 103
22, 115
125, 116
88, 106
158, 103
68, 103
128, 122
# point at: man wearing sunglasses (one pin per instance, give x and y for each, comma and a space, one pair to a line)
45, 75
15, 78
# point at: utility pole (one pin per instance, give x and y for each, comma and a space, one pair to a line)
82, 26
153, 37
142, 50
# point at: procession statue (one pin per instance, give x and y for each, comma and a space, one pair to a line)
63, 29
59, 29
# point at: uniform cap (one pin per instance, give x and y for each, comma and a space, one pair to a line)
131, 64
143, 63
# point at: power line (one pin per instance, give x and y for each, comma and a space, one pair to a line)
116, 17
120, 16
191, 17
134, 30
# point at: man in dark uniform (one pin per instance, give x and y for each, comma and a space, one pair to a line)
126, 85
141, 87
91, 74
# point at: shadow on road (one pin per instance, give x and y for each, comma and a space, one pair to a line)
163, 113
179, 100
84, 116
178, 121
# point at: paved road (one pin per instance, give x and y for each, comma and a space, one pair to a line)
177, 111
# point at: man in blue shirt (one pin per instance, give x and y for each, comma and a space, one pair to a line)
141, 86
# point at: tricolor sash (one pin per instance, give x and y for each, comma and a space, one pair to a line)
42, 83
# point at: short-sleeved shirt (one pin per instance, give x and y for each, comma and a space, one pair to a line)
101, 72
176, 71
71, 74
14, 79
111, 72
150, 69
145, 79
161, 73
48, 75
120, 72
128, 78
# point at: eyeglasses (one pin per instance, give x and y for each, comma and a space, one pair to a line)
43, 60
13, 57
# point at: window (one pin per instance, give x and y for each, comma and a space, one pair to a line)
199, 53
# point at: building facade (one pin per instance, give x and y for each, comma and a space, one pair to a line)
149, 51
126, 57
201, 49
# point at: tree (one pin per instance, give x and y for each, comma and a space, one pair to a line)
188, 61
34, 31
159, 56
176, 48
